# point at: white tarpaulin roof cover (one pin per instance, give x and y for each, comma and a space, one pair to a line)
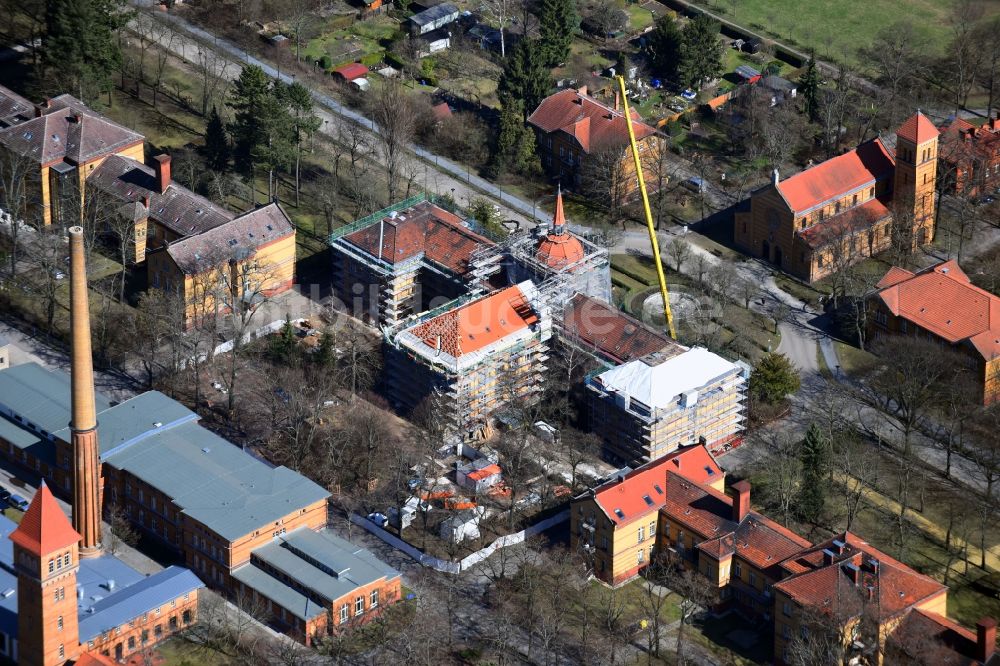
658, 385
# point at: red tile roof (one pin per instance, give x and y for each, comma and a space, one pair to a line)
95, 659
917, 129
928, 634
894, 588
13, 105
560, 248
709, 514
837, 176
478, 324
845, 224
942, 300
613, 333
423, 229
594, 125
628, 495
44, 529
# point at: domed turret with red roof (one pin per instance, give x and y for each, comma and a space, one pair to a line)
559, 248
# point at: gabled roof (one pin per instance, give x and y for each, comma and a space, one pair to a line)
480, 323
933, 636
593, 124
351, 71
637, 493
843, 225
917, 129
822, 580
837, 176
178, 209
44, 529
613, 333
237, 239
70, 131
942, 300
434, 13
424, 230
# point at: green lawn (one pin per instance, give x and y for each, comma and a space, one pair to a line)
349, 44
639, 18
179, 652
853, 360
839, 29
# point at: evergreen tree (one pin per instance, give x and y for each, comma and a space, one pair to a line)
325, 354
809, 85
525, 77
81, 51
815, 457
664, 46
283, 344
773, 378
304, 123
216, 143
515, 145
245, 99
701, 52
557, 23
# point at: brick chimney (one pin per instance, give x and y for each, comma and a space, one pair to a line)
43, 108
853, 572
995, 123
741, 500
986, 638
618, 101
162, 167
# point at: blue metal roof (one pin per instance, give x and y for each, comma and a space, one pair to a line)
131, 602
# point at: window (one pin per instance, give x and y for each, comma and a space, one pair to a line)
642, 534
786, 609
786, 633
652, 529
604, 542
186, 617
738, 570
819, 261
145, 636
753, 579
373, 599
641, 556
66, 559
59, 623
359, 605
52, 566
343, 614
131, 642
62, 652
855, 201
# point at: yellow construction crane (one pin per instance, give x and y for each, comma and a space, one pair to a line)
648, 212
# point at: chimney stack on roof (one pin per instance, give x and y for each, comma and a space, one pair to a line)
853, 572
162, 167
83, 427
986, 638
42, 109
741, 500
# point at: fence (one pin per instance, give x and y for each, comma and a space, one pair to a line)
475, 558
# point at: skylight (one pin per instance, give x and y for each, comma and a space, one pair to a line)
620, 514
657, 488
709, 470
649, 501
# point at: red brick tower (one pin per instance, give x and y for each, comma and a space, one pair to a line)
46, 561
915, 176
86, 456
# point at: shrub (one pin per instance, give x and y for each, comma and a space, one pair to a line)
326, 62
773, 379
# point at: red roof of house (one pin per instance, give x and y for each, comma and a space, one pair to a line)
351, 71
95, 659
614, 333
942, 300
478, 324
709, 513
44, 528
423, 229
944, 641
485, 472
838, 176
894, 588
593, 124
642, 490
961, 140
845, 224
917, 129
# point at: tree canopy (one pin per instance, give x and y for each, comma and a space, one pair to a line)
664, 46
809, 85
525, 77
773, 378
557, 22
701, 52
81, 51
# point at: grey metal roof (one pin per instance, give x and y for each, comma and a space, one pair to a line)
39, 395
103, 605
327, 565
434, 14
269, 587
131, 602
223, 487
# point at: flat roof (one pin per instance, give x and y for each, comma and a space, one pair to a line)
39, 395
658, 385
269, 587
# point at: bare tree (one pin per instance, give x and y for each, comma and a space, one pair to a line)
122, 532
18, 182
210, 67
605, 180
500, 13
393, 109
680, 252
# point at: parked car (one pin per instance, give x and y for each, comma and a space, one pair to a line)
694, 184
18, 502
4, 495
379, 519
689, 94
987, 199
